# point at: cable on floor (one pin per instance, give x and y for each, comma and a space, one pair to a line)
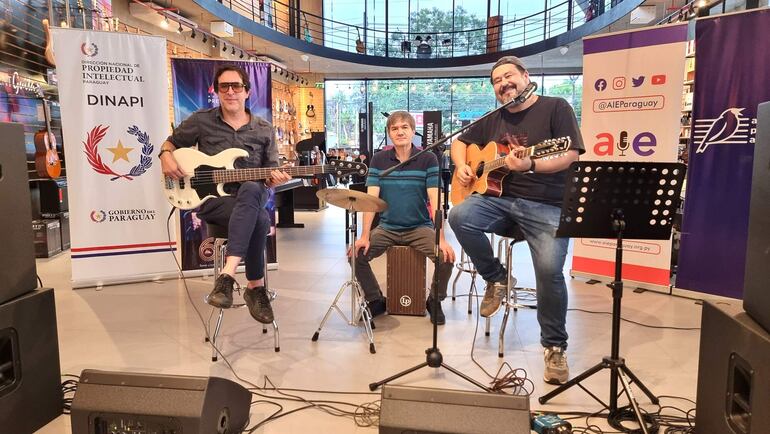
364, 414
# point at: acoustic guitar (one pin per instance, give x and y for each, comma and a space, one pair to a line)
360, 47
490, 170
207, 175
47, 163
48, 43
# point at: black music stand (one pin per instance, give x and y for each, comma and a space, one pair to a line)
617, 200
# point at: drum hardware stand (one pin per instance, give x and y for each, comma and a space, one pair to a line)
358, 307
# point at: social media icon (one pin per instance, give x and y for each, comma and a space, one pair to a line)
658, 79
619, 83
600, 84
638, 81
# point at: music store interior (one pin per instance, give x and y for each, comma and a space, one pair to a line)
659, 225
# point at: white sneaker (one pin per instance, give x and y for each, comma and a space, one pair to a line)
556, 369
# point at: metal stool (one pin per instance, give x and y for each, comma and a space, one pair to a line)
465, 265
220, 253
509, 238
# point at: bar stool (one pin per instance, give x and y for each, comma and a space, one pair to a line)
465, 265
510, 237
220, 253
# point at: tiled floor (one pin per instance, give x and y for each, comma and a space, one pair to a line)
152, 327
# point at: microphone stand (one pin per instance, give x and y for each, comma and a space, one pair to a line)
434, 358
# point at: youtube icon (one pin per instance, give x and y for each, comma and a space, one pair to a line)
658, 79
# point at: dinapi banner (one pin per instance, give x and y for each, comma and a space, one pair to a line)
114, 108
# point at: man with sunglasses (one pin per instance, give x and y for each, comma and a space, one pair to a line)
231, 125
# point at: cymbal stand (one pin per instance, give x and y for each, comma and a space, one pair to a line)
358, 307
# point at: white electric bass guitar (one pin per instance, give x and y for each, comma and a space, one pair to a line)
207, 175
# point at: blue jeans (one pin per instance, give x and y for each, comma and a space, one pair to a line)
479, 215
248, 224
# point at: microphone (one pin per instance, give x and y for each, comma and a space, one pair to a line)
525, 94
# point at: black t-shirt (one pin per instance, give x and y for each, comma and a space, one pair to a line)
547, 118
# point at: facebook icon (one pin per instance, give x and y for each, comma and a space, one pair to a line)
600, 84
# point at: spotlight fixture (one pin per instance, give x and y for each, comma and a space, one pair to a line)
214, 43
192, 35
224, 46
179, 29
241, 56
233, 51
205, 38
164, 23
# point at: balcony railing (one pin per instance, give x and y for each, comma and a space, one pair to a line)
428, 43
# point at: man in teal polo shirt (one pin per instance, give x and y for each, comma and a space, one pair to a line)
407, 221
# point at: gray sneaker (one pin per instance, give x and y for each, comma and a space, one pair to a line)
556, 369
493, 298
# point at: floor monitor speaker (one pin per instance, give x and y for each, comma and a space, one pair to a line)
420, 410
158, 404
30, 377
733, 373
17, 257
756, 287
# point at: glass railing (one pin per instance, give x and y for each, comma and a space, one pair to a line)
427, 43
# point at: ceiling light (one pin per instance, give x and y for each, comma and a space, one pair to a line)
304, 57
164, 23
563, 49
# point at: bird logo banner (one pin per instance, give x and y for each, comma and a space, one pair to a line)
631, 112
731, 66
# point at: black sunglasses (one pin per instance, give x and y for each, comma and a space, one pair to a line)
236, 87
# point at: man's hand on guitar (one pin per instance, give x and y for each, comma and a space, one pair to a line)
465, 175
277, 177
517, 164
170, 167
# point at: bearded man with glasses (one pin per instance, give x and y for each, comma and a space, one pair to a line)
231, 125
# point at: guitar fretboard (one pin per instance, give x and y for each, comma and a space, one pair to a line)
497, 163
255, 174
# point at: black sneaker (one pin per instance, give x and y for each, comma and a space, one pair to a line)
440, 318
222, 295
259, 304
377, 307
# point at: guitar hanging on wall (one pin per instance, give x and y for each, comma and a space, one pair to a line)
47, 163
360, 47
310, 112
308, 35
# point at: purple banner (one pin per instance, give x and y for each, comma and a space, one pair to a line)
730, 81
194, 90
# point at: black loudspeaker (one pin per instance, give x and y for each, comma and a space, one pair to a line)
149, 403
733, 373
17, 257
420, 410
756, 286
30, 378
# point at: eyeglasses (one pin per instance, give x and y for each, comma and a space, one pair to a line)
236, 87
